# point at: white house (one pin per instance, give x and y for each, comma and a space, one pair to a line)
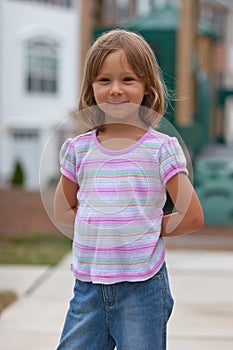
39, 75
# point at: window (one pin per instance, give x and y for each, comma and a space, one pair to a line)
42, 66
61, 3
26, 134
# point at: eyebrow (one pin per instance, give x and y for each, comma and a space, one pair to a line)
124, 72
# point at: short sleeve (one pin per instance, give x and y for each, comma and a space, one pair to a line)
67, 160
172, 160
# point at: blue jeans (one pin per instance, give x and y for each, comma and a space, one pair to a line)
128, 315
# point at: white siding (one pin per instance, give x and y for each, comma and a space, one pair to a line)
19, 22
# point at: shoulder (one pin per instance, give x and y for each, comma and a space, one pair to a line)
74, 146
161, 139
83, 138
169, 148
79, 141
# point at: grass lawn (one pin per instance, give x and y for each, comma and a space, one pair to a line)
33, 249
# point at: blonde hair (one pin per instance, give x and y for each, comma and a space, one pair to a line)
143, 62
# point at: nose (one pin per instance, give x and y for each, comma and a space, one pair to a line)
115, 89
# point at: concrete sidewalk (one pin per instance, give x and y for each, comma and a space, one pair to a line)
201, 283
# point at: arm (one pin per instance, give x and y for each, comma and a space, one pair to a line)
65, 201
189, 216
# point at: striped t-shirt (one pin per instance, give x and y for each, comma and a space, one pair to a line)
121, 197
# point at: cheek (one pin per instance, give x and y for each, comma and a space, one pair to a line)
138, 94
98, 90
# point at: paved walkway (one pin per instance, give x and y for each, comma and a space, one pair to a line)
201, 282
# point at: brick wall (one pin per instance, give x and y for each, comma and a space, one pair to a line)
22, 212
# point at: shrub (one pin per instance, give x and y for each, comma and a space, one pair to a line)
18, 175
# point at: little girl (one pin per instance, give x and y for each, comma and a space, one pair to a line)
113, 189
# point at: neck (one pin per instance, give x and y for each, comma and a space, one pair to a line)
124, 128
128, 116
131, 122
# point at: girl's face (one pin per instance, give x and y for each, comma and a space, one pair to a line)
118, 91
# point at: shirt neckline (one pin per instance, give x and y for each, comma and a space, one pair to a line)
123, 150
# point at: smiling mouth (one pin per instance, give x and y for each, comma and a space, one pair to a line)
117, 102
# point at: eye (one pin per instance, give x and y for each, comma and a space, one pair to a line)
103, 79
128, 79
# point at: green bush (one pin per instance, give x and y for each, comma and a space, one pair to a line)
18, 175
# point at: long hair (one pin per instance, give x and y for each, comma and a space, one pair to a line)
143, 62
